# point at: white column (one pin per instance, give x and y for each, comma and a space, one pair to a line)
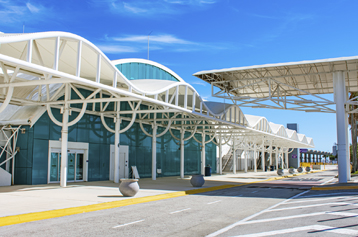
286, 157
347, 146
220, 156
263, 163
255, 158
182, 133
340, 99
116, 146
277, 156
246, 155
154, 152
64, 139
270, 152
13, 163
234, 157
203, 153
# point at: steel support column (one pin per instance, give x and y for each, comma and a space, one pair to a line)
246, 155
64, 139
154, 152
277, 155
203, 153
255, 157
270, 153
116, 146
286, 157
234, 159
340, 99
220, 157
182, 133
263, 161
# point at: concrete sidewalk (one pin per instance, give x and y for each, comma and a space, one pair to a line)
21, 199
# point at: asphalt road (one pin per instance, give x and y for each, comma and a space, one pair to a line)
245, 210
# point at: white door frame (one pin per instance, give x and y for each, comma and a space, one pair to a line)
55, 145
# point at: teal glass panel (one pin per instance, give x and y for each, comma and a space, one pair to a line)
104, 162
79, 166
71, 166
54, 175
41, 130
40, 161
94, 162
135, 71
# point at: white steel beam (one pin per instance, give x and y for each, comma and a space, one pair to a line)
79, 53
57, 53
98, 72
29, 51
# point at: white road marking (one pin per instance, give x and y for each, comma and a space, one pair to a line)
134, 222
223, 230
300, 216
180, 211
329, 194
254, 192
343, 213
327, 181
282, 218
322, 228
214, 202
319, 199
315, 205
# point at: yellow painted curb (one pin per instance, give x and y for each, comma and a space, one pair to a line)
36, 216
335, 188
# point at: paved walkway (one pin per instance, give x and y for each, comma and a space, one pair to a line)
22, 199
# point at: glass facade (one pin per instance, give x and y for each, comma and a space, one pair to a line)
135, 71
31, 163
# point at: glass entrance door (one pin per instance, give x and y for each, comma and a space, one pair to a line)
74, 165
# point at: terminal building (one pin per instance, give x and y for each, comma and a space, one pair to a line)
62, 97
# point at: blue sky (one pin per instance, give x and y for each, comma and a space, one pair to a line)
193, 35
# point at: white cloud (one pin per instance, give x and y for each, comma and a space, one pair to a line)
154, 8
32, 8
164, 38
18, 11
191, 2
115, 49
201, 83
163, 41
133, 9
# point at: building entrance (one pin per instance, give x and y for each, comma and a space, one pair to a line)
75, 164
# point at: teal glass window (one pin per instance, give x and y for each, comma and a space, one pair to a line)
135, 71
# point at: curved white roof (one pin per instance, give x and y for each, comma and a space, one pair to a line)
37, 65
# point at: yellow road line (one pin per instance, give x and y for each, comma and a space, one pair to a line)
36, 216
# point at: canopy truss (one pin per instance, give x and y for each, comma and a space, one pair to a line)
292, 86
300, 86
61, 70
